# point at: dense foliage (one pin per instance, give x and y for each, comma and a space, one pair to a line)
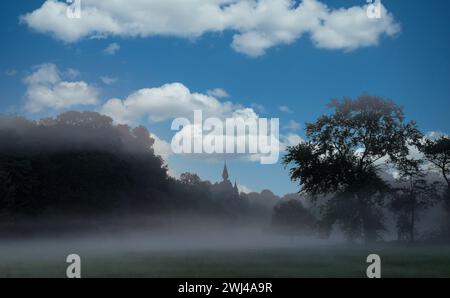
344, 159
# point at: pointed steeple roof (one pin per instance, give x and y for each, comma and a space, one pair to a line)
225, 172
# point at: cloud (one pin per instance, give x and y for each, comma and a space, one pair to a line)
175, 100
108, 80
243, 188
46, 89
218, 93
11, 72
166, 102
350, 29
290, 139
434, 135
286, 109
292, 125
72, 73
161, 147
112, 48
257, 25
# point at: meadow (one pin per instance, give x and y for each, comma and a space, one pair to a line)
336, 260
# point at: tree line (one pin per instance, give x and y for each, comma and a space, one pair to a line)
82, 165
358, 163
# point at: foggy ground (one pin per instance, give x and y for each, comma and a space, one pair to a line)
210, 250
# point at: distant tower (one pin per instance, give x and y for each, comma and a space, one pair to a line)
225, 172
236, 189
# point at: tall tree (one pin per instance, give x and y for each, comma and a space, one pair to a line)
437, 152
343, 154
414, 195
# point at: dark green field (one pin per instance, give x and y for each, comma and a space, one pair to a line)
321, 261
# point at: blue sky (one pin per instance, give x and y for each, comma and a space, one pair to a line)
411, 67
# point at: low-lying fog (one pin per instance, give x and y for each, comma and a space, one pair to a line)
181, 235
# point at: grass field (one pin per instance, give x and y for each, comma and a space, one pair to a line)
318, 261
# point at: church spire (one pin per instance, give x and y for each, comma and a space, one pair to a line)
225, 172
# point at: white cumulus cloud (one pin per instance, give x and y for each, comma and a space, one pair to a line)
175, 100
257, 25
218, 93
161, 147
112, 48
47, 90
166, 102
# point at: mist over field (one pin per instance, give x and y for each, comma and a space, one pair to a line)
160, 246
191, 250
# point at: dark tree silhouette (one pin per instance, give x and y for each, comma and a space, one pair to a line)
342, 153
438, 154
414, 196
80, 165
76, 163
